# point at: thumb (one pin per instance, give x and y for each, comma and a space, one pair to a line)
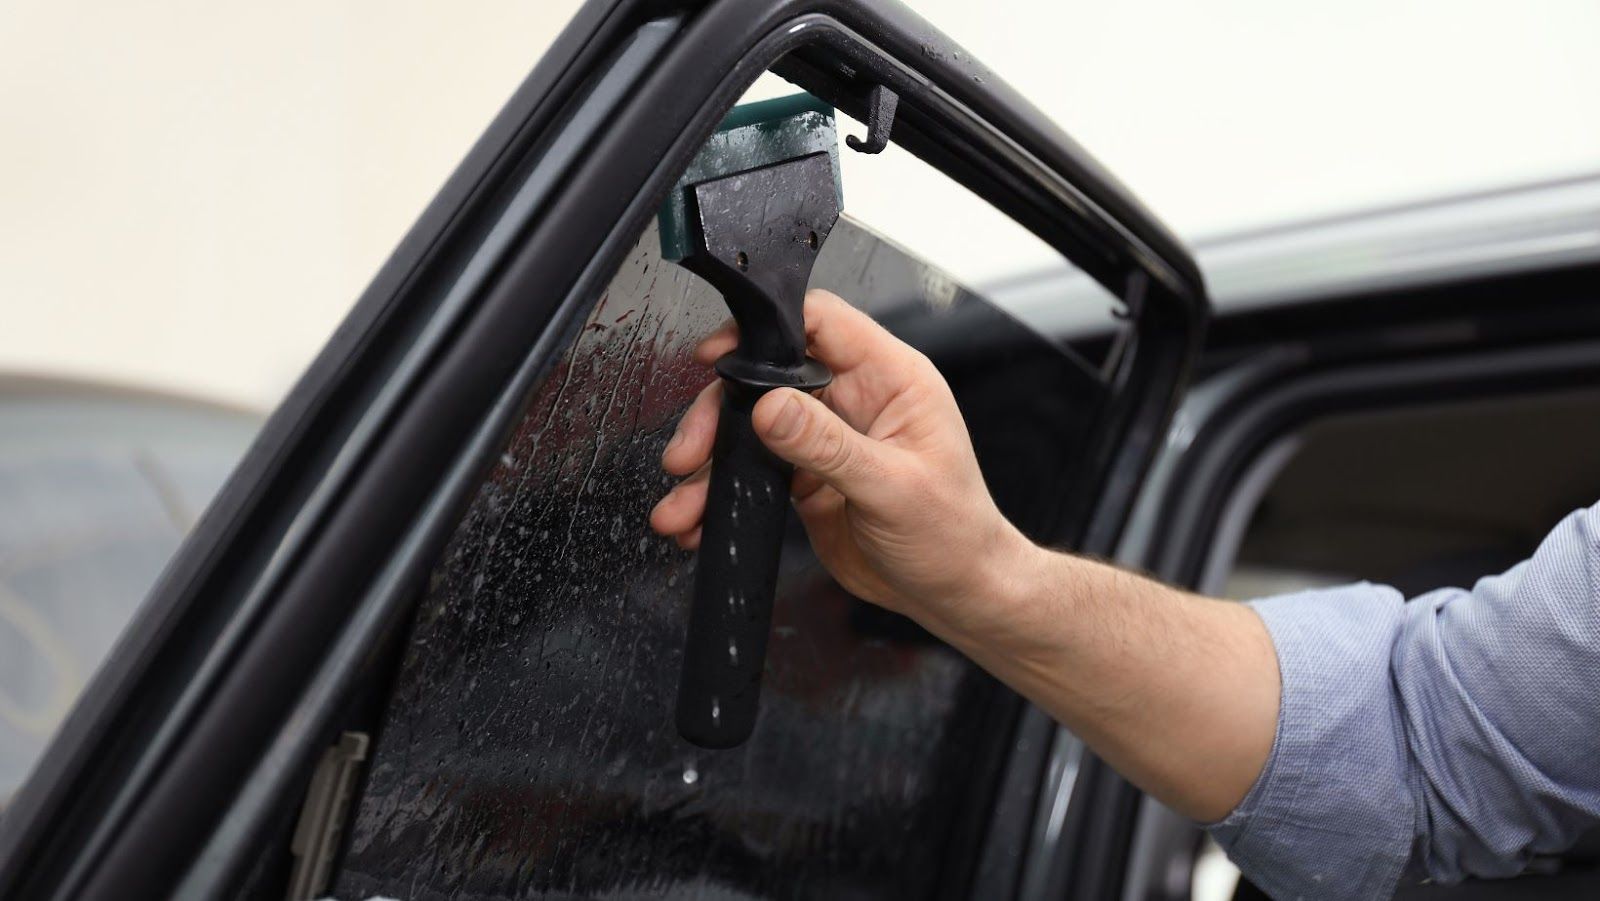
802, 430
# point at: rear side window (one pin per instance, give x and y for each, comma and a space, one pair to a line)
528, 749
529, 746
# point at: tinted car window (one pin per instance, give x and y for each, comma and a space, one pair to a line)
529, 748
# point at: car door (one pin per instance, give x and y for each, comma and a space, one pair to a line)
422, 645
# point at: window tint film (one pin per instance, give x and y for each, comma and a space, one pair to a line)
528, 748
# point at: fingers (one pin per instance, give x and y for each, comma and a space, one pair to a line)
870, 366
681, 510
719, 342
815, 507
802, 430
805, 485
875, 374
845, 338
837, 333
690, 446
690, 540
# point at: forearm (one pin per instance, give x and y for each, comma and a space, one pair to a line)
1180, 693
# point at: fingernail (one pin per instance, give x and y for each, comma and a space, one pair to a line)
788, 421
675, 440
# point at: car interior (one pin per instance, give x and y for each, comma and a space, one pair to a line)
1417, 498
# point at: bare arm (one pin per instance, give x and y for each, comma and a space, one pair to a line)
1180, 693
1177, 691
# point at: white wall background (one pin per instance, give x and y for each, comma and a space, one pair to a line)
191, 193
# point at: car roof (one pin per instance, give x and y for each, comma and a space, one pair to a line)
1545, 225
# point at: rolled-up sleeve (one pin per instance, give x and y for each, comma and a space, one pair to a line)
1450, 735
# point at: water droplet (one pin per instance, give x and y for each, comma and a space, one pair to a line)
716, 712
733, 653
690, 775
733, 553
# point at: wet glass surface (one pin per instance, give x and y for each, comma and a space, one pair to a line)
529, 749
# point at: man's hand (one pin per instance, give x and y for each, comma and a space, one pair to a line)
1179, 692
885, 478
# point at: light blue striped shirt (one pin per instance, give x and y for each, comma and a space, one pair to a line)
1454, 734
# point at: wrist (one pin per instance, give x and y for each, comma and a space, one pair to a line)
1010, 607
1029, 604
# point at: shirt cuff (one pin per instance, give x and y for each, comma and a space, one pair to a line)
1331, 815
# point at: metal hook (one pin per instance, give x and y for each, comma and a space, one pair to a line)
881, 103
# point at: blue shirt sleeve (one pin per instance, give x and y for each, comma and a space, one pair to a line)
1450, 735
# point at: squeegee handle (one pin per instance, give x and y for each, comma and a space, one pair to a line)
741, 538
756, 234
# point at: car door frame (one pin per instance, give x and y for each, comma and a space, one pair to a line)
226, 683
